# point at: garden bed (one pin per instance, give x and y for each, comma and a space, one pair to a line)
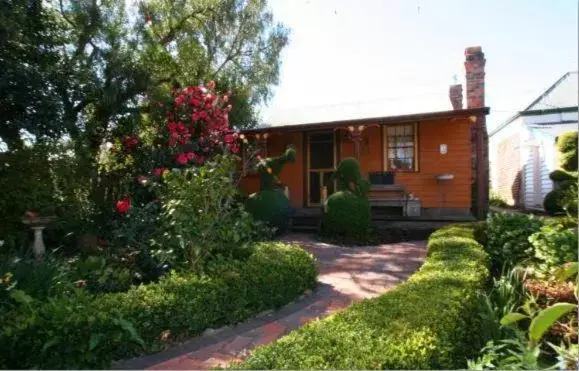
426, 323
86, 331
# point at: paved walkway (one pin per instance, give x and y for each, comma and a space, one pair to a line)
346, 275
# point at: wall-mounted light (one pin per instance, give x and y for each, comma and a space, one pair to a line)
257, 136
472, 119
265, 135
351, 128
361, 127
443, 149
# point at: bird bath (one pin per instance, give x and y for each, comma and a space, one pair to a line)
37, 224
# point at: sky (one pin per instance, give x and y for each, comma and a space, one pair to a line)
367, 58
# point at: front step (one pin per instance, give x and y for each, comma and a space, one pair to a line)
305, 223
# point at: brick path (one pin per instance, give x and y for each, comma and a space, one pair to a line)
346, 275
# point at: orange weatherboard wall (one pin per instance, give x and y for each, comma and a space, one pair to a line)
455, 133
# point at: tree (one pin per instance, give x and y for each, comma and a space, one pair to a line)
29, 74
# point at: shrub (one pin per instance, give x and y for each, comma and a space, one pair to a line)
83, 331
562, 199
554, 245
346, 215
201, 215
496, 200
561, 176
271, 207
567, 145
349, 177
508, 239
347, 212
426, 323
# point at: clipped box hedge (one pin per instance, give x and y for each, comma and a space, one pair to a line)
85, 331
428, 322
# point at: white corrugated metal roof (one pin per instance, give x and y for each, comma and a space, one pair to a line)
564, 93
359, 110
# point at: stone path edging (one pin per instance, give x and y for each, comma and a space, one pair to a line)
346, 275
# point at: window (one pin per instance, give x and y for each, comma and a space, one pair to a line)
400, 149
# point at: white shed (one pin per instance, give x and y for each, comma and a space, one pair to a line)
522, 150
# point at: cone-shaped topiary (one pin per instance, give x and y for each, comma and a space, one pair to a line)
270, 205
347, 213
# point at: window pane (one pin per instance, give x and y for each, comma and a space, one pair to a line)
322, 155
314, 187
400, 147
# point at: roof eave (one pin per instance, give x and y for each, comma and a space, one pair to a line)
426, 116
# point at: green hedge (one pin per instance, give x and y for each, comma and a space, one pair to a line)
426, 323
89, 332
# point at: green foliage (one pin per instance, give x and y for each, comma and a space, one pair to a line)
271, 207
567, 145
496, 200
349, 178
554, 245
523, 350
82, 331
270, 168
347, 216
561, 176
201, 216
562, 199
508, 239
506, 294
425, 323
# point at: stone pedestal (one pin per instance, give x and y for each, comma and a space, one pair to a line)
38, 246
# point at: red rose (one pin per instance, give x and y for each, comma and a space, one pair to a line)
190, 156
211, 84
182, 158
158, 171
229, 138
124, 205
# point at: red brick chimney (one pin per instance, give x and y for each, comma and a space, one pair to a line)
474, 65
455, 95
475, 77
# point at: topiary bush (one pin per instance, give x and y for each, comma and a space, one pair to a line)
561, 176
346, 215
507, 236
567, 145
270, 205
563, 199
349, 177
83, 331
427, 323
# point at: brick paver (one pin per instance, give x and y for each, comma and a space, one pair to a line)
346, 275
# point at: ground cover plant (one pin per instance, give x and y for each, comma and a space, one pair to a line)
409, 327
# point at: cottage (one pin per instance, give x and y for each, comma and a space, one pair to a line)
430, 165
522, 149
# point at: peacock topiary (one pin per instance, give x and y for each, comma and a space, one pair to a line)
347, 212
270, 205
